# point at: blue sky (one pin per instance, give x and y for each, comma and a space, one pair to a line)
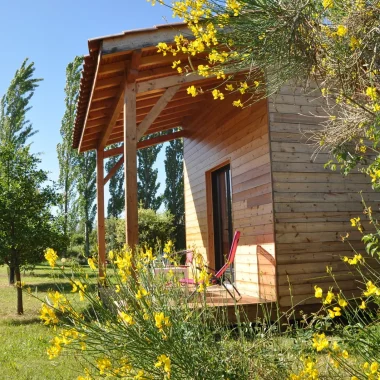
51, 33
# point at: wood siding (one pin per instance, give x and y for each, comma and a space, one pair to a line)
225, 134
312, 205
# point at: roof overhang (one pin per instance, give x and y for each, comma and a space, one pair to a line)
129, 57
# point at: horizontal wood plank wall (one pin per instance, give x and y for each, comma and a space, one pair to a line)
312, 205
224, 134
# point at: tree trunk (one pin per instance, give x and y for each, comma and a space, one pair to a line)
11, 275
20, 308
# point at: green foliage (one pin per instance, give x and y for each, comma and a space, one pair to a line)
26, 223
116, 202
154, 229
174, 190
147, 185
67, 156
14, 127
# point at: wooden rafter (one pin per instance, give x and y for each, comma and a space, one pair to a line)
155, 111
165, 82
91, 96
117, 107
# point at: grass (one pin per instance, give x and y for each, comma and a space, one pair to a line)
24, 339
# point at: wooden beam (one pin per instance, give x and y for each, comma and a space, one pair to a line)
133, 71
89, 103
100, 208
130, 166
173, 80
145, 144
114, 169
155, 111
116, 109
160, 139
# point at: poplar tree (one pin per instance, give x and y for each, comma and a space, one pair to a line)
86, 188
116, 188
67, 156
147, 185
15, 128
174, 190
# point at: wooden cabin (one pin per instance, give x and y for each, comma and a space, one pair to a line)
247, 169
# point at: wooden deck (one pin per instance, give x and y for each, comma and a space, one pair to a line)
250, 308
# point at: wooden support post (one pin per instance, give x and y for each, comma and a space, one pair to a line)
100, 204
130, 165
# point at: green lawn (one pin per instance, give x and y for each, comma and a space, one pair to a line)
24, 339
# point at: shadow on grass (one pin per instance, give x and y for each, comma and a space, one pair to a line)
61, 287
21, 322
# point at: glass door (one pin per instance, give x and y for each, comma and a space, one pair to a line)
222, 214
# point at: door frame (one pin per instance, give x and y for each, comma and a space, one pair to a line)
210, 214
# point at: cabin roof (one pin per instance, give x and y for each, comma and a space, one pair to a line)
131, 57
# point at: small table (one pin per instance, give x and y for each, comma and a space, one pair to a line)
181, 271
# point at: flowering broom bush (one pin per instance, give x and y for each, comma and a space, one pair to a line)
140, 324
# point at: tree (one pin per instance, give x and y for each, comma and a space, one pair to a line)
174, 191
26, 223
67, 156
86, 188
116, 201
14, 127
147, 185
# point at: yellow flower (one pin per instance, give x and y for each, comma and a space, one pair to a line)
354, 43
374, 367
91, 263
329, 297
229, 87
237, 103
234, 6
320, 342
342, 302
47, 314
128, 319
175, 64
164, 360
103, 365
354, 221
371, 92
341, 31
192, 91
51, 256
243, 87
327, 3
371, 290
217, 94
161, 320
55, 349
111, 255
362, 305
117, 288
318, 292
345, 354
256, 83
141, 293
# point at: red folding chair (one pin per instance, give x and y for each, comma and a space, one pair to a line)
217, 277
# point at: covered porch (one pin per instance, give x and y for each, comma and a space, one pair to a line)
130, 91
